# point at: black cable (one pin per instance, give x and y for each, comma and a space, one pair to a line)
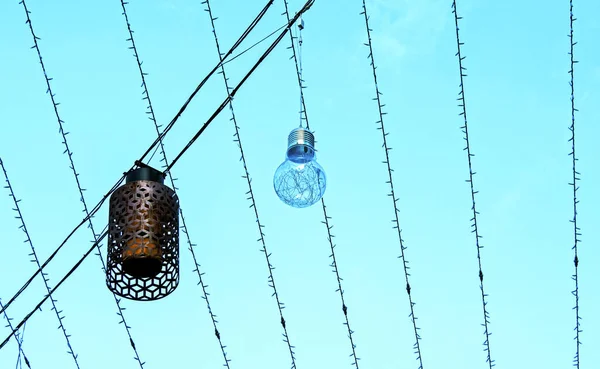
306, 6
576, 174
92, 212
118, 183
94, 245
35, 260
465, 130
184, 228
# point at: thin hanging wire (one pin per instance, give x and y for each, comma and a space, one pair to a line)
18, 338
327, 218
35, 260
297, 63
301, 110
253, 45
165, 161
576, 174
81, 190
306, 6
462, 104
20, 358
392, 194
250, 192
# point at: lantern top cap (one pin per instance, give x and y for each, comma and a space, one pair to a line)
145, 173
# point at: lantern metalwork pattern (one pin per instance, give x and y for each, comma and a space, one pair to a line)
143, 237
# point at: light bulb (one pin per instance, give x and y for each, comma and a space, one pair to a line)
300, 181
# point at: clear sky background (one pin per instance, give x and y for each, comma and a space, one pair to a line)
518, 105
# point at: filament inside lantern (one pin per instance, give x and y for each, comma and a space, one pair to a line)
142, 255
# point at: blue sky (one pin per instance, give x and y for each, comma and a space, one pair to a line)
519, 111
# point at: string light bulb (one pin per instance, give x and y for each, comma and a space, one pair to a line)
300, 181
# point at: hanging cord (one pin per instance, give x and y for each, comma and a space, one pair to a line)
298, 71
307, 5
250, 192
576, 174
35, 260
465, 130
18, 338
300, 28
327, 218
78, 183
392, 194
184, 228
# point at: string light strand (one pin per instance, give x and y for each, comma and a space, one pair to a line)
250, 192
35, 260
462, 104
164, 159
303, 115
576, 178
81, 190
392, 194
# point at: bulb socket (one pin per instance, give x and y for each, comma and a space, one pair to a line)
301, 136
301, 146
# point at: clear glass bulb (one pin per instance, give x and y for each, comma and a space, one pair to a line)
300, 181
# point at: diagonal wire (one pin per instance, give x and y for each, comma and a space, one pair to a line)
462, 104
392, 194
576, 174
250, 192
184, 228
78, 182
35, 260
327, 218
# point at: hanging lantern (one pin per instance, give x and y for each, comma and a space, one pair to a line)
143, 237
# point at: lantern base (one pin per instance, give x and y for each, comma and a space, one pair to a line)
142, 267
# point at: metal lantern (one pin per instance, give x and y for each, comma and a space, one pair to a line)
143, 237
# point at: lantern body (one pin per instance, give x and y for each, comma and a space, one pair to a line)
143, 238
